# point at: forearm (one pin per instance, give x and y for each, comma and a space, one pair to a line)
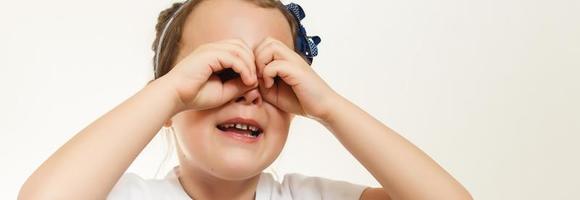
89, 164
404, 171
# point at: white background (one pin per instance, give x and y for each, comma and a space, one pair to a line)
489, 89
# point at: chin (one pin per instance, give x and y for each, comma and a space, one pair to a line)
237, 155
237, 165
235, 174
231, 146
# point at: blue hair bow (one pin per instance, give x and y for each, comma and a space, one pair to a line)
304, 43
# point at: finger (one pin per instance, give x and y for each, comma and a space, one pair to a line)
234, 89
240, 48
240, 52
281, 69
262, 59
270, 50
281, 96
226, 59
209, 87
240, 43
268, 93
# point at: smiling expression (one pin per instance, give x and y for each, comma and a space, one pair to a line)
242, 137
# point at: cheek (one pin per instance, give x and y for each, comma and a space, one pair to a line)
279, 125
280, 117
192, 131
199, 143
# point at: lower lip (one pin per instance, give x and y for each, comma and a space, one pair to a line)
240, 137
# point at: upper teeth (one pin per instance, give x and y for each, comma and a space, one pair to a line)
241, 126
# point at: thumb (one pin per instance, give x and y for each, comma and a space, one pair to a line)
268, 94
234, 88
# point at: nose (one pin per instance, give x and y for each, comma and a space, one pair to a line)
251, 97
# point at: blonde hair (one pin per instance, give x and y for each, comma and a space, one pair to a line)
168, 33
172, 36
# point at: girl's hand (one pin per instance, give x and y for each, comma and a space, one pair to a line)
301, 91
195, 77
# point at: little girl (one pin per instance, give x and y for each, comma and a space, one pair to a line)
230, 75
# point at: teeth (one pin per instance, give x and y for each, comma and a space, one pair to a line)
252, 128
241, 127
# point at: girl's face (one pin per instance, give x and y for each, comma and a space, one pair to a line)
202, 146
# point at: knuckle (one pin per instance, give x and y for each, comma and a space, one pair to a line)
232, 51
231, 40
238, 42
270, 39
274, 41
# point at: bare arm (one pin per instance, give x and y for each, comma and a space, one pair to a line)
89, 164
404, 171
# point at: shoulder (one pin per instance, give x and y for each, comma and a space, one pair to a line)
299, 186
132, 186
129, 186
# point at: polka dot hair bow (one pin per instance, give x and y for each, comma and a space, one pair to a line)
304, 43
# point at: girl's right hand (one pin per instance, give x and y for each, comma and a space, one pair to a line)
195, 78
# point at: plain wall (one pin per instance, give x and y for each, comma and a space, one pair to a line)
489, 89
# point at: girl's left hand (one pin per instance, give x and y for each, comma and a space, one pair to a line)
301, 90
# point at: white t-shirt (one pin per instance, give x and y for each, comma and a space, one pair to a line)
294, 186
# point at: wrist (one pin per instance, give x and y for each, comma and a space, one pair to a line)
335, 107
163, 87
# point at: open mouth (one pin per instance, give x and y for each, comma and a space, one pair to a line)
246, 128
